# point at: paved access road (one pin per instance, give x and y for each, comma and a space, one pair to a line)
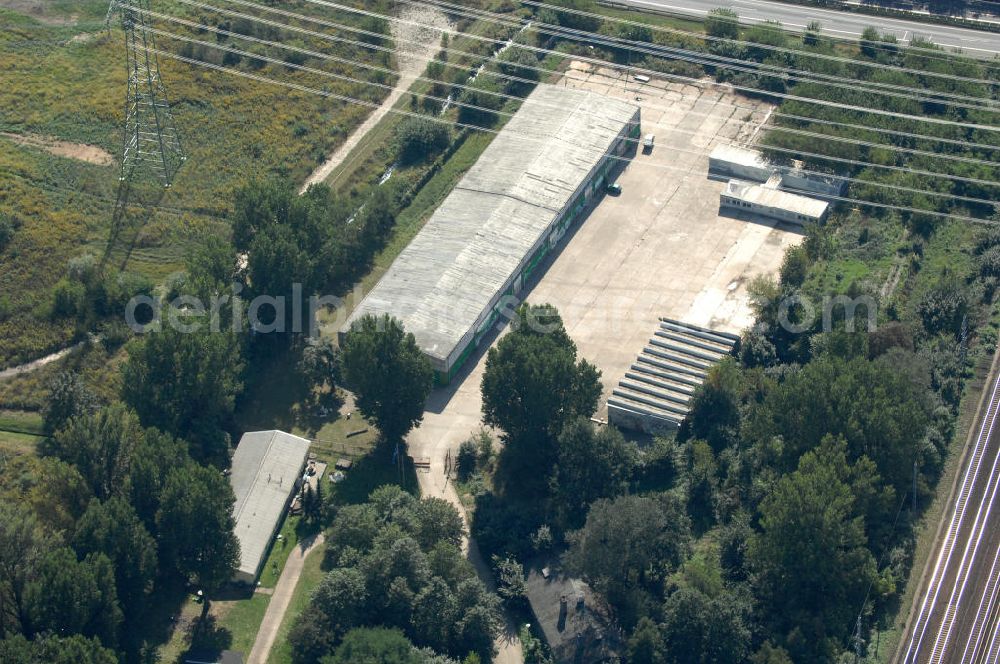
955, 617
847, 25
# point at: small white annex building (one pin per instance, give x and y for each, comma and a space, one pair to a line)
768, 201
266, 471
731, 161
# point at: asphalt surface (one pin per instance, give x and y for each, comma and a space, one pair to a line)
956, 618
846, 25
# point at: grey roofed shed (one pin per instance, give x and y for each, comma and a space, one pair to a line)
266, 469
445, 283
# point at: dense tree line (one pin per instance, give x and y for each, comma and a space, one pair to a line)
316, 240
396, 562
118, 514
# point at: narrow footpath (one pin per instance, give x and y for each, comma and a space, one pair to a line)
412, 58
282, 596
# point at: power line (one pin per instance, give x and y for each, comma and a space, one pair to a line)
891, 132
775, 148
781, 95
330, 95
712, 59
501, 75
650, 72
324, 56
242, 53
820, 156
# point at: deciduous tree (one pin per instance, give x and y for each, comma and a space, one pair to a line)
389, 374
101, 445
533, 385
629, 544
113, 529
69, 397
53, 649
69, 596
590, 464
810, 558
195, 525
186, 384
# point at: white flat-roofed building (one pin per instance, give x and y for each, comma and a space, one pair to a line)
540, 174
773, 203
730, 161
266, 471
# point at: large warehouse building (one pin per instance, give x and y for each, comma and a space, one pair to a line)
266, 471
541, 173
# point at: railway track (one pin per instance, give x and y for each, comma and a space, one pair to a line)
945, 600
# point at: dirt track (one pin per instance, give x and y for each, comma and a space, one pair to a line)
414, 46
80, 151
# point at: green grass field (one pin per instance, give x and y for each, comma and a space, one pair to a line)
67, 81
233, 625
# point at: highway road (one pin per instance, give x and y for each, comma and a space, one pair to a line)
956, 616
846, 25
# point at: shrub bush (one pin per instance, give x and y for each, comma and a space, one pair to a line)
7, 227
421, 138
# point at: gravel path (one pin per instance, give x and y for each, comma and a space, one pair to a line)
412, 62
41, 362
280, 599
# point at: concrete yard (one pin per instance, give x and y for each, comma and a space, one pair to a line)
661, 248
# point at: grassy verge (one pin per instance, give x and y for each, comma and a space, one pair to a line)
312, 573
650, 18
291, 530
180, 638
335, 440
20, 432
232, 625
241, 619
15, 443
21, 422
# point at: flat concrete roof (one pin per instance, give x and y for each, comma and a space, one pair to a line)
742, 156
775, 199
441, 284
265, 468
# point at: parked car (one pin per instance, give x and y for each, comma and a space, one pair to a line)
614, 189
647, 143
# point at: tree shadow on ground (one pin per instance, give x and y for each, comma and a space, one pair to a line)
161, 615
278, 396
209, 637
233, 592
377, 468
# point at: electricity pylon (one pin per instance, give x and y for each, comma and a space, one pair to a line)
151, 149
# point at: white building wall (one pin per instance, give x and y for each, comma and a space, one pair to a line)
770, 212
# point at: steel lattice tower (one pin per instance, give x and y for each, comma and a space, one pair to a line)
151, 148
